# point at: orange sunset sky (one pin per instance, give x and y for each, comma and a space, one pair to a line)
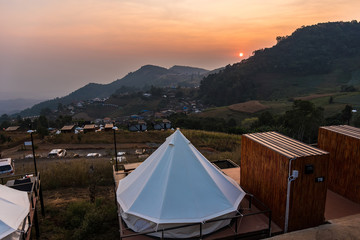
49, 48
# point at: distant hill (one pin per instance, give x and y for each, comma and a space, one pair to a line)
315, 59
142, 79
13, 106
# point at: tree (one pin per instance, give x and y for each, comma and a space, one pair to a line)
304, 120
265, 119
42, 126
4, 118
156, 91
346, 114
45, 111
357, 121
231, 122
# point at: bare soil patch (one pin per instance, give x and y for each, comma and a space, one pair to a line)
248, 107
313, 96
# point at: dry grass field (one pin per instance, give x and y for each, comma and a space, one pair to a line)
248, 107
69, 184
313, 96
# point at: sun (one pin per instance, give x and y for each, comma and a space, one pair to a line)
241, 54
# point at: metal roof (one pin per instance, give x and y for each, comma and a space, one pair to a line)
89, 126
67, 127
12, 128
344, 130
284, 145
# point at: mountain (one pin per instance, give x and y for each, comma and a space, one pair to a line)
13, 106
142, 79
314, 59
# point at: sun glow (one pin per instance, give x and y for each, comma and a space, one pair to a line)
241, 54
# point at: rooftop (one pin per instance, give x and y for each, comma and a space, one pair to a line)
345, 130
284, 145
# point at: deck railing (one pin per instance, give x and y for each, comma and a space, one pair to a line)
33, 194
236, 219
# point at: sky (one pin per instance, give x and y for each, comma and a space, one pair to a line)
50, 48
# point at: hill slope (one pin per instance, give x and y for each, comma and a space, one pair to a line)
142, 79
314, 59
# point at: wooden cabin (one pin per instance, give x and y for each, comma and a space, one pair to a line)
343, 144
109, 127
268, 161
90, 128
68, 129
12, 129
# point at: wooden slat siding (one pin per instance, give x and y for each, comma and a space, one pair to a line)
264, 172
343, 143
308, 198
258, 176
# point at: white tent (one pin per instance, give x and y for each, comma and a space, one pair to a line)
175, 186
14, 207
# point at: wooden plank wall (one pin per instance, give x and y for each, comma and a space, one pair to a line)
308, 198
264, 174
344, 163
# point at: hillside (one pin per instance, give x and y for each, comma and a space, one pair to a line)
314, 59
142, 79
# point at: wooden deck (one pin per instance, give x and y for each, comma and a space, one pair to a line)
31, 185
242, 226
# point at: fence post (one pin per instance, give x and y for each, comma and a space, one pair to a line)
270, 213
200, 230
236, 225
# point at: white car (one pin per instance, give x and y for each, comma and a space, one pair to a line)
93, 155
57, 153
121, 159
139, 151
121, 153
6, 166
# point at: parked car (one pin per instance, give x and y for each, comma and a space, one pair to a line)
31, 156
93, 155
139, 151
57, 153
121, 159
121, 153
6, 166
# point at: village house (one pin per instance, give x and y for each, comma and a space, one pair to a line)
109, 127
12, 129
68, 129
162, 124
89, 128
139, 125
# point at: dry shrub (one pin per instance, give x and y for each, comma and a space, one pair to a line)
72, 173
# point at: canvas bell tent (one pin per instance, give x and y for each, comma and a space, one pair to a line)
175, 186
14, 208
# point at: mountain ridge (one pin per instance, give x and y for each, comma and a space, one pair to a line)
141, 79
313, 59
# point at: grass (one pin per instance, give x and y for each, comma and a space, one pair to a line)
122, 136
69, 185
70, 173
16, 138
279, 107
77, 217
